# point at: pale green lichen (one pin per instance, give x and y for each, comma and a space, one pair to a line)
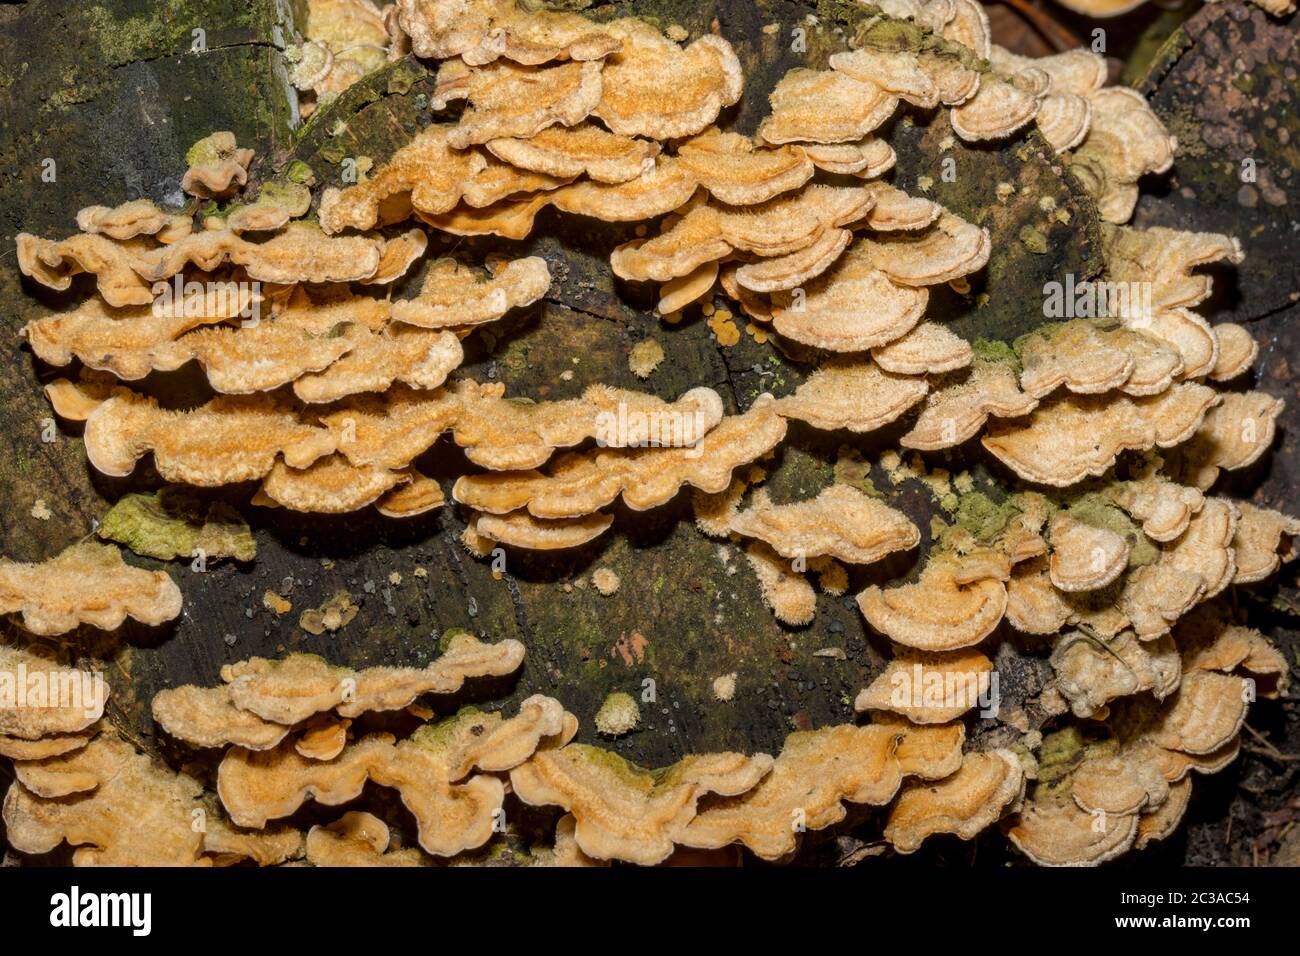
438, 734
1093, 509
994, 350
981, 516
175, 523
300, 172
1034, 240
451, 636
855, 471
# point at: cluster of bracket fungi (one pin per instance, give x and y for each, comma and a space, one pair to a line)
1120, 565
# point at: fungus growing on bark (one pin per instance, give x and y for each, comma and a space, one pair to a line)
936, 613
580, 483
217, 167
654, 88
623, 812
841, 522
85, 584
815, 774
973, 798
928, 688
1070, 438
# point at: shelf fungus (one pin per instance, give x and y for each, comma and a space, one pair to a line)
115, 806
856, 395
1234, 435
263, 702
1085, 556
815, 774
425, 175
786, 592
929, 688
85, 584
1087, 359
1095, 797
852, 307
582, 150
827, 107
46, 709
1237, 352
996, 111
519, 529
664, 187
581, 483
433, 770
623, 812
129, 342
505, 435
54, 264
454, 295
329, 485
217, 167
894, 209
230, 439
987, 786
372, 362
138, 217
654, 88
866, 159
291, 690
1264, 538
735, 172
506, 99
480, 31
1165, 258
841, 522
331, 349
1090, 671
1073, 437
952, 605
277, 203
779, 227
1126, 141
927, 349
959, 407
899, 73
1209, 641
358, 838
1163, 507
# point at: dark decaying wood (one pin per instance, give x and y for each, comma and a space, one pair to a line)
109, 92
